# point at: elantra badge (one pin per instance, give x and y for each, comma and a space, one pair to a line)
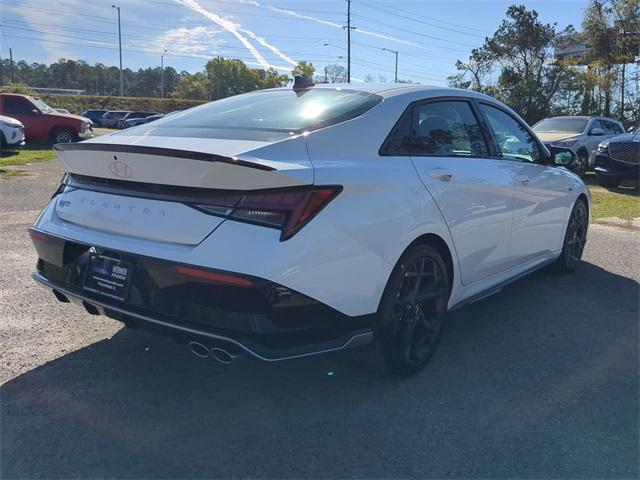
120, 169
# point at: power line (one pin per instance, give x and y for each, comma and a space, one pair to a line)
416, 18
420, 34
265, 51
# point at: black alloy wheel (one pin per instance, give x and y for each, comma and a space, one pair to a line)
581, 165
575, 238
410, 317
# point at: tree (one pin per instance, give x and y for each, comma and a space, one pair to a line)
472, 73
304, 69
523, 50
191, 86
333, 73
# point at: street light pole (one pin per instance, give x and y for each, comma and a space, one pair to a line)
162, 74
396, 53
348, 41
120, 49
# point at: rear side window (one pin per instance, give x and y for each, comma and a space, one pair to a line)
447, 129
275, 110
612, 128
513, 139
18, 106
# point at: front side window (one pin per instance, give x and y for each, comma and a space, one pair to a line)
514, 140
41, 105
596, 124
447, 129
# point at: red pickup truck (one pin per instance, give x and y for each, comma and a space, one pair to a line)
41, 122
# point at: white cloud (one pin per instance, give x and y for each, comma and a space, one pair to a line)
184, 40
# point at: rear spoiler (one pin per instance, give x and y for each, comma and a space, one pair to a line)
163, 152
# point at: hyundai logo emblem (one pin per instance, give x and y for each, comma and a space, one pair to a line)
120, 169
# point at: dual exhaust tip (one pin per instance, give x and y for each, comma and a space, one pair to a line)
198, 349
217, 353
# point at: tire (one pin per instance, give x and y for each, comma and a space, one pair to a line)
581, 165
575, 239
607, 182
64, 135
409, 320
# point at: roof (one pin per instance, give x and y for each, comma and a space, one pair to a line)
385, 89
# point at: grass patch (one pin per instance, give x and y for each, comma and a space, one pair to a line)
614, 203
22, 156
622, 202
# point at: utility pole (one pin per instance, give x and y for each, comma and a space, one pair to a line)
162, 74
348, 41
218, 79
120, 48
396, 53
13, 80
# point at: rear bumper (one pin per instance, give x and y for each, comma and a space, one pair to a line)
265, 320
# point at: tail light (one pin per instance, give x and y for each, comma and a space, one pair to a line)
216, 277
285, 209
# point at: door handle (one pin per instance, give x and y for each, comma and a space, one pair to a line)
523, 179
441, 174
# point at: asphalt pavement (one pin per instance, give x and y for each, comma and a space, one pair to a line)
538, 381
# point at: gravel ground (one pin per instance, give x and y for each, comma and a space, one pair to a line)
540, 380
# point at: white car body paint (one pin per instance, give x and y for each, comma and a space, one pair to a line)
494, 227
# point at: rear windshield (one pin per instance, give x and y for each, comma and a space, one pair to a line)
561, 125
275, 110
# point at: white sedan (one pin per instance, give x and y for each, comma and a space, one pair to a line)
289, 222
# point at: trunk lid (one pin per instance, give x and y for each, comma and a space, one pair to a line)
160, 172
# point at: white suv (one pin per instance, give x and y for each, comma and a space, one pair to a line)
11, 132
289, 222
580, 134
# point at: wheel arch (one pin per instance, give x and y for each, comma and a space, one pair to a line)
587, 204
58, 128
437, 242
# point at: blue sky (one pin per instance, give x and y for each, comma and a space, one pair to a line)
429, 35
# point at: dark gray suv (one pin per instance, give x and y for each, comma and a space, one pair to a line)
580, 134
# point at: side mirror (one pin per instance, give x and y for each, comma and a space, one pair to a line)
562, 157
596, 131
35, 111
631, 129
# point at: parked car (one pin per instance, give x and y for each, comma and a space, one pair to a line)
289, 222
131, 115
11, 132
618, 159
580, 134
111, 117
41, 122
132, 122
95, 116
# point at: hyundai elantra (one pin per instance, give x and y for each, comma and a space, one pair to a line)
294, 221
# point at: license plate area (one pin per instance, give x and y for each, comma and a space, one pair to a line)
109, 274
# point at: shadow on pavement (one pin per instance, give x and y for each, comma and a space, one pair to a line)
539, 380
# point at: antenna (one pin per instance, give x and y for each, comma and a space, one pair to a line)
302, 83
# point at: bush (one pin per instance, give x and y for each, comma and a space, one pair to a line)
79, 103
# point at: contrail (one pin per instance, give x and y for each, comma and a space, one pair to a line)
264, 43
234, 29
293, 13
